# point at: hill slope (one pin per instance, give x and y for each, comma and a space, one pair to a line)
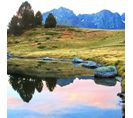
104, 46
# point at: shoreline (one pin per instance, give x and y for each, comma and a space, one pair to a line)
118, 66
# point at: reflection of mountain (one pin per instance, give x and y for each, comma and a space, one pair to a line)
64, 82
25, 86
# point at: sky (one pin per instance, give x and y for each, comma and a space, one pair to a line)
78, 6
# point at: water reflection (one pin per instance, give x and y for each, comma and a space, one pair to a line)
25, 86
80, 97
105, 81
51, 83
66, 91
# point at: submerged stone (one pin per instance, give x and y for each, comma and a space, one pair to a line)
90, 64
77, 60
48, 58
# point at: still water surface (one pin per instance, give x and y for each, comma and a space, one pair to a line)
65, 96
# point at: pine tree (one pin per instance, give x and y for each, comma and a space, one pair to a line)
24, 6
50, 21
28, 20
38, 18
15, 26
26, 14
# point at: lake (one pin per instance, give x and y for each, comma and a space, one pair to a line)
58, 89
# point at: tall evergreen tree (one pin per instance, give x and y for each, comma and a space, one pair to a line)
50, 21
38, 18
15, 26
26, 13
24, 6
28, 20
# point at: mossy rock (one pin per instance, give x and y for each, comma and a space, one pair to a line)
105, 72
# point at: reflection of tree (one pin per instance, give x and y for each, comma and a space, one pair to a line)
25, 86
38, 85
51, 83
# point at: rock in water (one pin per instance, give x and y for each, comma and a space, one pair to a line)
90, 64
77, 60
105, 72
48, 58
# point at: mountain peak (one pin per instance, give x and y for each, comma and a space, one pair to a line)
63, 9
105, 19
105, 11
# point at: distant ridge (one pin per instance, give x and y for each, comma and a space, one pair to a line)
104, 19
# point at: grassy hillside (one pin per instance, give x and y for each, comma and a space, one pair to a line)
104, 46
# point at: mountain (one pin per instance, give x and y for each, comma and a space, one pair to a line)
104, 19
86, 21
63, 16
123, 17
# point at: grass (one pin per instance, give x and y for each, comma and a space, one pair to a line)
40, 69
104, 46
51, 33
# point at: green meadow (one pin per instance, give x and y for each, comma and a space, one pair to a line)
104, 46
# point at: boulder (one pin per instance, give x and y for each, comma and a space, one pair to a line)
105, 72
90, 64
77, 60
